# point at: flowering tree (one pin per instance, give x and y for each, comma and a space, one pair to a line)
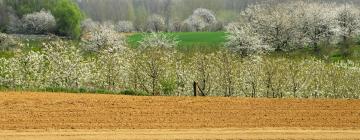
39, 22
195, 23
104, 38
110, 70
244, 41
31, 72
155, 23
200, 19
348, 19
275, 23
206, 15
251, 73
125, 26
316, 22
65, 67
153, 59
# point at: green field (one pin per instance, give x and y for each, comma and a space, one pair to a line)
190, 40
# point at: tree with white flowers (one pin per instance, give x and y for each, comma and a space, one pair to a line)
65, 65
244, 41
39, 22
154, 59
275, 22
348, 19
104, 38
207, 15
201, 18
155, 23
316, 23
110, 69
195, 23
32, 69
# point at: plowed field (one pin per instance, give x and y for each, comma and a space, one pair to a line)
61, 111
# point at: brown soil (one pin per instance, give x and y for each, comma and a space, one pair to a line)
87, 111
178, 134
